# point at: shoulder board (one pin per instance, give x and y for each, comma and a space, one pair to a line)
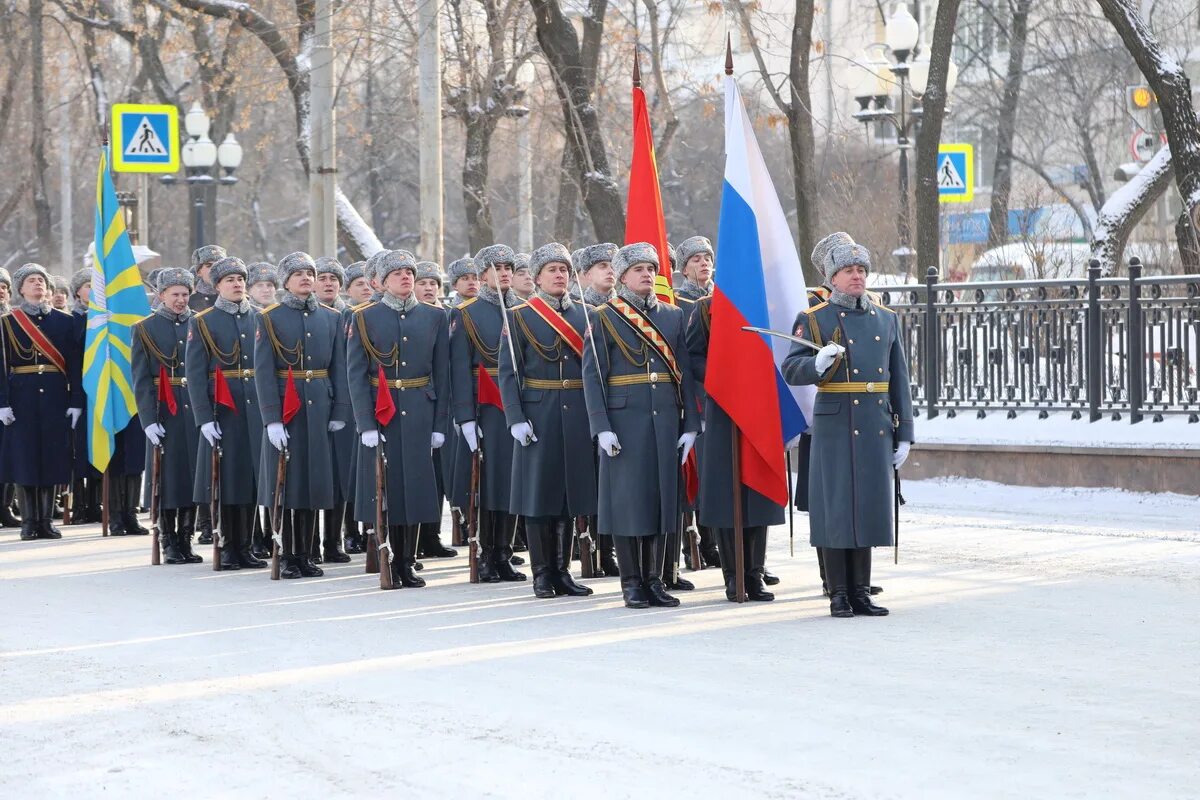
65, 313
330, 309
817, 307
362, 305
519, 307
434, 304
679, 298
202, 313
882, 307
270, 308
467, 302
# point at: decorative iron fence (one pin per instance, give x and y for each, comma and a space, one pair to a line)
1121, 346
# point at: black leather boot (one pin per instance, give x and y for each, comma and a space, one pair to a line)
563, 536
333, 536
629, 557
29, 512
836, 576
7, 518
409, 579
724, 541
115, 501
485, 557
756, 553
539, 535
95, 487
260, 538
860, 580
204, 523
168, 537
821, 566
502, 556
185, 526
351, 533
304, 524
230, 546
79, 501
709, 552
608, 555
46, 528
289, 567
653, 551
132, 484
429, 543
670, 575
245, 530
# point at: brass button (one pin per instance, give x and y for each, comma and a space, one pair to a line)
402, 316
308, 373
870, 386
306, 313
856, 401
564, 406
851, 341
655, 413
405, 338
308, 334
877, 338
856, 371
856, 432
310, 403
243, 336
843, 313
404, 363
41, 390
566, 383
41, 369
404, 413
880, 402
653, 376
881, 370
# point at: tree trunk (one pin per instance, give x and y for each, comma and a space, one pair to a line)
1170, 84
800, 134
1006, 126
933, 105
1126, 206
568, 197
479, 128
37, 142
599, 189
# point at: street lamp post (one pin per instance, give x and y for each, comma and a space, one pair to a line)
200, 154
911, 70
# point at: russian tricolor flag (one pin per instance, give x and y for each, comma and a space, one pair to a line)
758, 282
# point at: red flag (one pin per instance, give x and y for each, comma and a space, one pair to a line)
221, 394
385, 406
691, 477
291, 398
644, 220
489, 392
165, 393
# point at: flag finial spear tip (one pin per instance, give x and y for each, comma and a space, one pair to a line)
728, 54
637, 68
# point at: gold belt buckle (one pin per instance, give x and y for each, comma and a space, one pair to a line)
654, 377
41, 369
399, 384
566, 383
308, 375
870, 386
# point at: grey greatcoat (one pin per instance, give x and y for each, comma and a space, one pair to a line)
556, 474
344, 443
639, 492
307, 341
715, 501
160, 340
413, 347
863, 407
222, 340
475, 327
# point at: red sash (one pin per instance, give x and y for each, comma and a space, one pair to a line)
648, 332
556, 321
44, 345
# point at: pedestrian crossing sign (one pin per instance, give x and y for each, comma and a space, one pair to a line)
145, 138
956, 173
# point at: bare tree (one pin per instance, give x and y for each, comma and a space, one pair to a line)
1007, 124
37, 129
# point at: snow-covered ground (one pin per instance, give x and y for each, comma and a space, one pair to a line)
1058, 429
1042, 643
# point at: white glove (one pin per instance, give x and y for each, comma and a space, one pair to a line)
155, 433
901, 454
7, 416
437, 440
826, 355
335, 426
686, 442
523, 433
74, 414
470, 432
370, 438
608, 443
211, 432
277, 435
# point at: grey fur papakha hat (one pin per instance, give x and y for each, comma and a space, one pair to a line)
631, 254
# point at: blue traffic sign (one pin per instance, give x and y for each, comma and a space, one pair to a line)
145, 138
956, 173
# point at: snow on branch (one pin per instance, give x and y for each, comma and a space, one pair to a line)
357, 235
1126, 206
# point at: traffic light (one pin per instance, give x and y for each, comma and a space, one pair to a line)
1140, 99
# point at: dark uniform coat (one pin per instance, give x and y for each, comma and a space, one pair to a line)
309, 342
200, 301
160, 340
863, 407
804, 446
715, 500
414, 348
475, 327
220, 340
36, 448
639, 487
343, 443
556, 474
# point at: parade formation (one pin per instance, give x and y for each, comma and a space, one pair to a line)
298, 413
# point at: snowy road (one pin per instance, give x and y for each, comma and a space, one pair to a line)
1042, 643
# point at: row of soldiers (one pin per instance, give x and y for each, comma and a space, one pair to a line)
578, 408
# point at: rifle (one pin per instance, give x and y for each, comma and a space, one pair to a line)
214, 507
791, 509
155, 510
381, 529
68, 496
473, 516
277, 512
587, 550
456, 526
897, 501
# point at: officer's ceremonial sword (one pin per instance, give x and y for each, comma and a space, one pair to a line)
788, 336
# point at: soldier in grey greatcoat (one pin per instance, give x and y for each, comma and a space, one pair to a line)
263, 284
203, 259
476, 347
221, 338
159, 345
405, 345
331, 277
641, 403
456, 457
358, 292
300, 373
553, 466
862, 427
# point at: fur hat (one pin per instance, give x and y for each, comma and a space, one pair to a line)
462, 267
333, 266
587, 257
823, 248
230, 265
173, 276
847, 255
691, 247
5, 278
632, 254
209, 253
27, 270
295, 262
80, 277
262, 272
495, 254
429, 269
394, 261
520, 262
546, 254
371, 267
60, 284
671, 257
355, 271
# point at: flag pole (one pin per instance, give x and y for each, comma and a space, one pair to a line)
739, 552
